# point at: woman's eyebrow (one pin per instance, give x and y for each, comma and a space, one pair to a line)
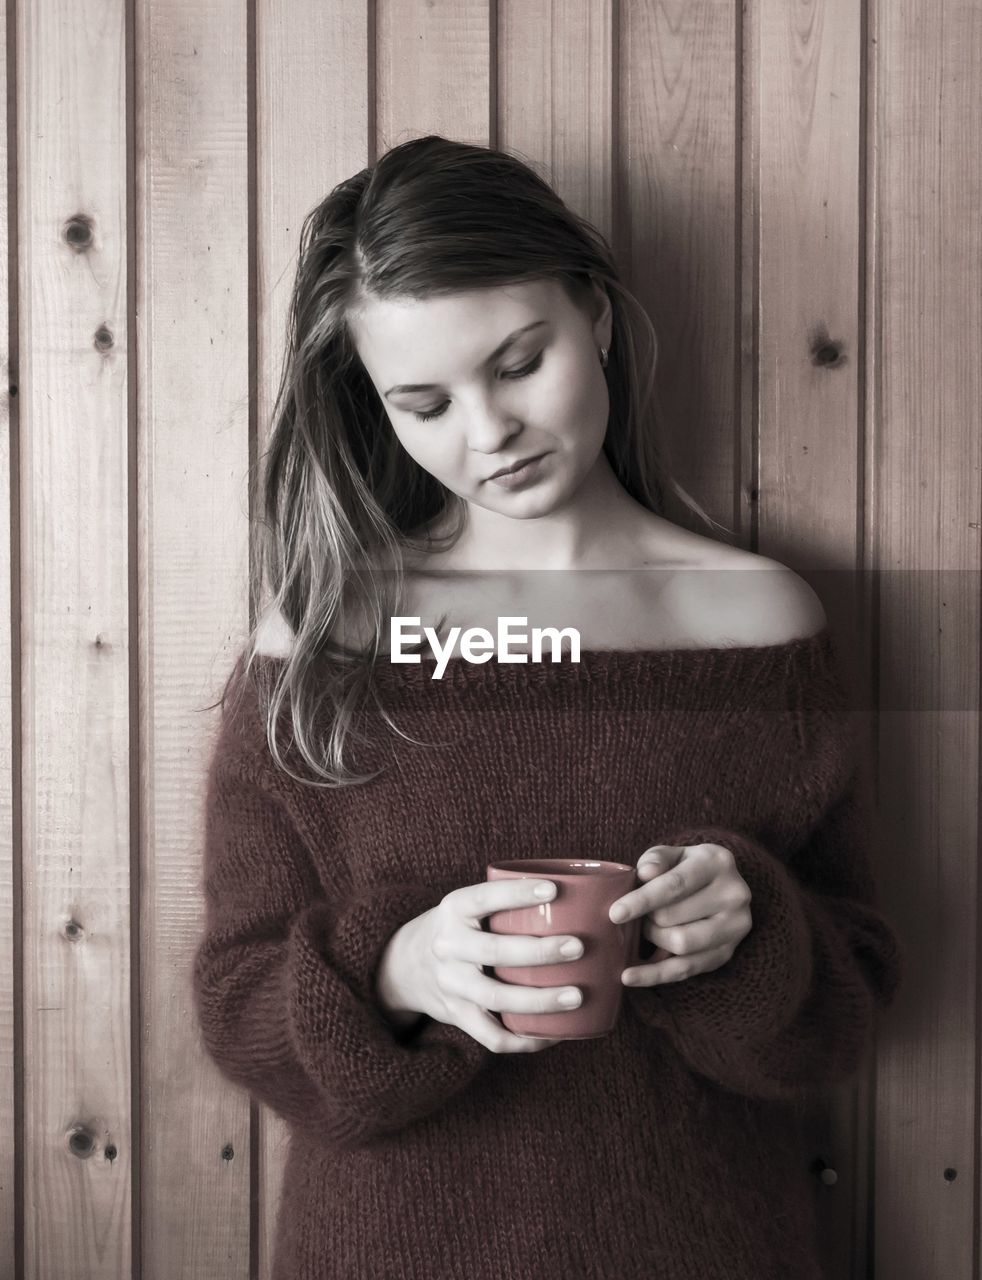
499, 350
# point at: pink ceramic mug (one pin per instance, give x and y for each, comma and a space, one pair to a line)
585, 891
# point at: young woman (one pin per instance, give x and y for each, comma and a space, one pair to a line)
452, 320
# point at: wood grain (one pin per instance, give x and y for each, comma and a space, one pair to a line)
923, 528
192, 367
75, 652
10, 1067
801, 439
677, 172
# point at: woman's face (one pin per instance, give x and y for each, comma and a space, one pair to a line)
464, 412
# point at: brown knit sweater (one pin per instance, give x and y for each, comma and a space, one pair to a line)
670, 1149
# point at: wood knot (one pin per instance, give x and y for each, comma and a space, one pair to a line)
81, 1141
824, 1172
79, 232
826, 353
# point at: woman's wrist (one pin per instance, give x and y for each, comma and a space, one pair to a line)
392, 999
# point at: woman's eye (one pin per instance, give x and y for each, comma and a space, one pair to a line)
514, 374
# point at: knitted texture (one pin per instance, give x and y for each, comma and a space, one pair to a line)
670, 1149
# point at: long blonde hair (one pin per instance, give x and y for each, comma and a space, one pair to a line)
430, 217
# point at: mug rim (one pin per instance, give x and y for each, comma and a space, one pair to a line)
523, 868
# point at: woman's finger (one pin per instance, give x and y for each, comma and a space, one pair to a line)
675, 968
658, 858
481, 1026
703, 904
699, 935
682, 882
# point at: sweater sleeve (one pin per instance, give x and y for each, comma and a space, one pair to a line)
793, 1010
283, 979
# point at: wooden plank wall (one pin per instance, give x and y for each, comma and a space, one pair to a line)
792, 189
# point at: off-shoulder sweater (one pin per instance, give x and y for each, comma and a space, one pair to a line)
670, 1149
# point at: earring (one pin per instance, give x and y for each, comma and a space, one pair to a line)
603, 356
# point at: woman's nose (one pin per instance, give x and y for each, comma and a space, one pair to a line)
490, 427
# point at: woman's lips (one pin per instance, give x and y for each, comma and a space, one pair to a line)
522, 474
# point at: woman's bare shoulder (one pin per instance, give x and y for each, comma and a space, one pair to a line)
741, 597
274, 635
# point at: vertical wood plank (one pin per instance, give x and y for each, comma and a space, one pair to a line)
75, 675
307, 140
926, 445
809, 244
802, 68
8, 906
677, 164
433, 70
555, 94
192, 446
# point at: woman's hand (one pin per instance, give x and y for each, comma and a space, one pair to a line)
433, 964
696, 909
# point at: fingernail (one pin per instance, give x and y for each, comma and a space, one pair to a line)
617, 914
544, 890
